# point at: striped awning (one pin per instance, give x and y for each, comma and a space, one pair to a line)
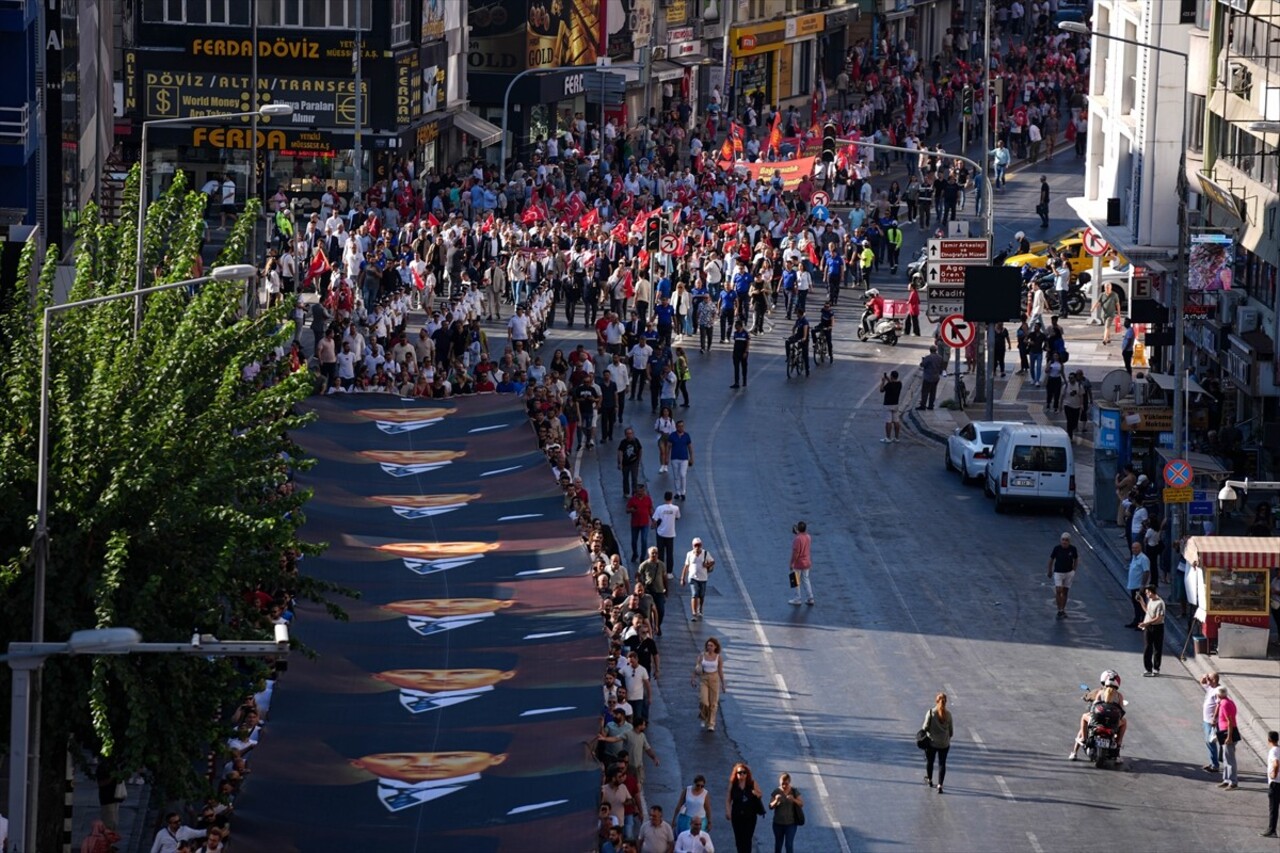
1234, 552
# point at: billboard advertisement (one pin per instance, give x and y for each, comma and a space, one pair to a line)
1211, 262
512, 37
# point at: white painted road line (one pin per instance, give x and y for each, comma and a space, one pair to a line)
1004, 787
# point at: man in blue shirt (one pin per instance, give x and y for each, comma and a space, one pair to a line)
1138, 580
665, 314
800, 337
788, 285
833, 268
742, 289
741, 350
680, 445
727, 299
826, 319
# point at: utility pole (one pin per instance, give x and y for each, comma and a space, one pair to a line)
356, 61
251, 286
986, 390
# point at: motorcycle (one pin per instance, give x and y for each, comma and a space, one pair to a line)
1043, 279
885, 329
1101, 742
916, 268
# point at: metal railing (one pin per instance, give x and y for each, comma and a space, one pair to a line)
15, 123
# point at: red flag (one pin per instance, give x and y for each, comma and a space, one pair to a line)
487, 225
738, 132
813, 254
432, 221
643, 257
417, 279
591, 219
620, 231
533, 213
319, 265
726, 150
774, 143
680, 247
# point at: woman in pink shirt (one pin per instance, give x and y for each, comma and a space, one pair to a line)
1226, 729
801, 563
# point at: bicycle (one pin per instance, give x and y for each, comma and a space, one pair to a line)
796, 363
821, 348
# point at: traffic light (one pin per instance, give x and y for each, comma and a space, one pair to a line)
829, 142
966, 100
652, 233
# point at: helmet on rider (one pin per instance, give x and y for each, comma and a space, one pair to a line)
1110, 678
1020, 235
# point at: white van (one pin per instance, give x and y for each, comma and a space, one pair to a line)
1032, 464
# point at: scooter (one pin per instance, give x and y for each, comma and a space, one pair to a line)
916, 268
1101, 742
885, 329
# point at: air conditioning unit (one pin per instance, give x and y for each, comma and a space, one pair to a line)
1239, 78
1228, 302
1247, 319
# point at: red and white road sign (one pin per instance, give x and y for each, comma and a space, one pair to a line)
669, 243
956, 249
1094, 243
957, 332
818, 199
945, 274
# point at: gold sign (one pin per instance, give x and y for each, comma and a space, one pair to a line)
1147, 420
677, 12
279, 48
428, 133
807, 25
1183, 495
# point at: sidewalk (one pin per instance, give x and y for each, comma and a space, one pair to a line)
1254, 684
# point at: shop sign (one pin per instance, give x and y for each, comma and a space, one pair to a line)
316, 101
677, 13
1108, 437
408, 89
683, 48
130, 82
758, 38
269, 139
574, 85
428, 133
680, 33
433, 19
1147, 420
281, 48
805, 25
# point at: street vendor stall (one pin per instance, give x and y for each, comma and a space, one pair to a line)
1228, 579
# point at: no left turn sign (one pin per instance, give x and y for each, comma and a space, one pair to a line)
1094, 243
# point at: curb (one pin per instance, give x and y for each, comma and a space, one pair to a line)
1252, 730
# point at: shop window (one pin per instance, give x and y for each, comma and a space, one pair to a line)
316, 14
222, 12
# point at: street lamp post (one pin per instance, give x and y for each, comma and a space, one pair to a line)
139, 272
26, 661
1177, 293
40, 546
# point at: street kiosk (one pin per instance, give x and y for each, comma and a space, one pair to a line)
1228, 579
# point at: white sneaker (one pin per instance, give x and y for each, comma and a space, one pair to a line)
1071, 756
885, 440
795, 602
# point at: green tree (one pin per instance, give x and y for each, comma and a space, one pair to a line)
169, 492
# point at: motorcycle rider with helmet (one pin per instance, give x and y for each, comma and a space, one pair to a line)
874, 310
1024, 245
1104, 700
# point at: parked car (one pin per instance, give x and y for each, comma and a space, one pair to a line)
1032, 464
969, 447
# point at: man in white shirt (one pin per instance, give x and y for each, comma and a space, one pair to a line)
636, 679
698, 564
694, 840
518, 326
639, 356
665, 517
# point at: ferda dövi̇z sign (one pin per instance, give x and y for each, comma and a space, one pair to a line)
316, 101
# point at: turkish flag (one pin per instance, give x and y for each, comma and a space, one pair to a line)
620, 231
432, 221
487, 225
591, 219
813, 254
417, 279
319, 266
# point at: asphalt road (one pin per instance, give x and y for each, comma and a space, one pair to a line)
921, 588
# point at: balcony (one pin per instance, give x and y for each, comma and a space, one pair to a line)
16, 139
17, 15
